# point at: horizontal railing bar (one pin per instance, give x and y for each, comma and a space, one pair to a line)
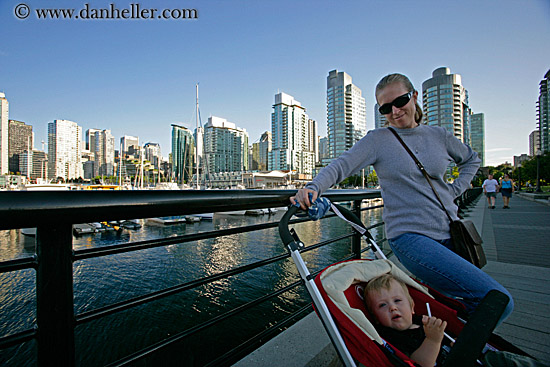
19, 264
19, 209
252, 344
184, 334
17, 338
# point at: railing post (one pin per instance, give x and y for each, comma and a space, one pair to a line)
356, 239
54, 296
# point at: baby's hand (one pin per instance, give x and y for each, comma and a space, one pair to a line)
434, 328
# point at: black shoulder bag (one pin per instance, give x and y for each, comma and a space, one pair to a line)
466, 240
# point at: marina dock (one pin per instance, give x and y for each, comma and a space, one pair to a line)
517, 245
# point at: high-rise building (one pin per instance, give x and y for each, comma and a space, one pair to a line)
445, 103
291, 139
379, 119
183, 153
4, 131
346, 113
101, 143
129, 146
64, 149
225, 146
543, 113
534, 142
477, 135
153, 154
33, 164
323, 149
20, 139
265, 146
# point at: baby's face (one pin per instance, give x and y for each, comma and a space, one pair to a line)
391, 307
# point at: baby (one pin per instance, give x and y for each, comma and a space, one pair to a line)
389, 301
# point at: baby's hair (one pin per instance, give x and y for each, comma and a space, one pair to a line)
384, 282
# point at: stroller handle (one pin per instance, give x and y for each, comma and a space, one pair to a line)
284, 231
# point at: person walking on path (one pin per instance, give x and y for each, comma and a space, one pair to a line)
415, 224
490, 188
506, 188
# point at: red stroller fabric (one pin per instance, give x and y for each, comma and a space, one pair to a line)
348, 310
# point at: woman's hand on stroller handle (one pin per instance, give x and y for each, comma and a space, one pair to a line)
304, 197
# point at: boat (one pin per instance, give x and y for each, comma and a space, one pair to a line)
205, 216
173, 219
192, 218
83, 228
130, 224
268, 211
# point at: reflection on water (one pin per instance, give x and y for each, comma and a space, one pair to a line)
103, 281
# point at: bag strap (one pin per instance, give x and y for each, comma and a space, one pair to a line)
422, 169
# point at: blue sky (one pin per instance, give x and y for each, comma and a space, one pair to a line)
137, 77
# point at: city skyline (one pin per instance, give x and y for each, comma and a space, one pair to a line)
137, 77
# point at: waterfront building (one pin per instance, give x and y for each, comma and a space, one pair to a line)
477, 135
33, 164
379, 119
225, 146
20, 139
64, 150
292, 148
183, 153
534, 142
265, 146
543, 114
254, 159
4, 131
101, 143
153, 154
519, 159
445, 103
323, 148
346, 113
129, 146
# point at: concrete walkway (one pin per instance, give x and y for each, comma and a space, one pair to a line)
517, 245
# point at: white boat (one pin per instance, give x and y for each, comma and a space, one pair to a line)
205, 216
173, 219
83, 228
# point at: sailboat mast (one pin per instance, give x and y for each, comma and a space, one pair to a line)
197, 134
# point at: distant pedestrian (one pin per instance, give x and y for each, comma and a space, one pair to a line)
506, 188
490, 188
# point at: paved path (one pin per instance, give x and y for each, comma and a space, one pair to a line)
517, 245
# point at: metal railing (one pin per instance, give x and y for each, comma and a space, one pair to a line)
54, 213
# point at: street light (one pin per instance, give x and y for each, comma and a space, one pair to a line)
539, 153
519, 183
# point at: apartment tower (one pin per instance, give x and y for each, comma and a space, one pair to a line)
64, 149
4, 118
20, 139
445, 103
346, 113
225, 146
292, 148
477, 135
543, 114
183, 153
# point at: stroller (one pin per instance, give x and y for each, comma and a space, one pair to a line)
337, 294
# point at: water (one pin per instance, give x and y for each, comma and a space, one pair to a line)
103, 281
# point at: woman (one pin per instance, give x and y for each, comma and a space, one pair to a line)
416, 226
506, 188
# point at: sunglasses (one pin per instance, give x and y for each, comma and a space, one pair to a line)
398, 102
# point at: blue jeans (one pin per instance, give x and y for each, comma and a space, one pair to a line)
434, 263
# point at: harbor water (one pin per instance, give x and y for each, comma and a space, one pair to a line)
99, 282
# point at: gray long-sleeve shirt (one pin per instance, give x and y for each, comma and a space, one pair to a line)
409, 203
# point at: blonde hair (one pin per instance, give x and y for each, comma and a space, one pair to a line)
400, 78
384, 281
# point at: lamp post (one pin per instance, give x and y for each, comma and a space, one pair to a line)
519, 181
539, 153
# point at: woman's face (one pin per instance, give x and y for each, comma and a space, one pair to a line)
399, 117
